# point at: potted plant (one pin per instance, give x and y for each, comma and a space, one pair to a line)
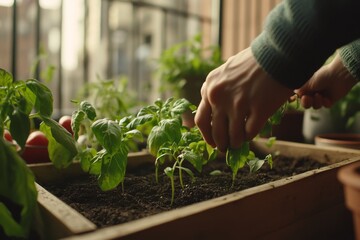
183, 68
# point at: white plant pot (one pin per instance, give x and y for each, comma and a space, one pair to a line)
317, 122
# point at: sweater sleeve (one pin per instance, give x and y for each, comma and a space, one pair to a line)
299, 36
350, 55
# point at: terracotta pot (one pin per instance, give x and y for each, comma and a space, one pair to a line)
345, 140
350, 177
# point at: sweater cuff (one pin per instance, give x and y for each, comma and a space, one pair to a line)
290, 73
350, 55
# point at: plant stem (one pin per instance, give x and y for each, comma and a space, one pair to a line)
157, 173
180, 174
172, 189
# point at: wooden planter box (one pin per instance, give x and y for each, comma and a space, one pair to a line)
305, 206
57, 219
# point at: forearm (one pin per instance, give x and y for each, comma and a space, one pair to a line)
300, 35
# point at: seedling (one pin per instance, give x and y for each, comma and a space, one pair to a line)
107, 158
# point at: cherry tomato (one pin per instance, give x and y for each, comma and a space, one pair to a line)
65, 121
35, 150
7, 135
37, 138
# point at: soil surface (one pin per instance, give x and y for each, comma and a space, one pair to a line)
142, 196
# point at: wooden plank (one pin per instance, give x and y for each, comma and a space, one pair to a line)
46, 172
63, 220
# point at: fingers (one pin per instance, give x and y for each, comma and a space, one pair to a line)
253, 123
203, 121
219, 129
237, 121
237, 99
315, 101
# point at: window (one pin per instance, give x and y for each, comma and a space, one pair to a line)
81, 41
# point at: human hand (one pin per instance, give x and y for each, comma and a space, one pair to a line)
330, 83
237, 99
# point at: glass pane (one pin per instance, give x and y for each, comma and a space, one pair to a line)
5, 35
26, 34
72, 52
50, 43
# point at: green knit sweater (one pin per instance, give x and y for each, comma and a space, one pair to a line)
299, 36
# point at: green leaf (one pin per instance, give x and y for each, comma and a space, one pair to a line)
212, 152
133, 134
76, 118
17, 186
9, 224
85, 157
30, 99
255, 164
62, 146
169, 171
6, 78
61, 135
271, 141
269, 159
216, 172
194, 158
44, 98
108, 133
168, 131
88, 109
236, 158
140, 120
96, 162
113, 171
180, 106
20, 127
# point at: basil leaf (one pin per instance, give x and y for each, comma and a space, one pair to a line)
76, 118
6, 78
236, 158
168, 131
44, 97
113, 171
108, 133
20, 127
17, 185
88, 109
62, 148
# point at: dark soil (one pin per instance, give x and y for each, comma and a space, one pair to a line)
142, 196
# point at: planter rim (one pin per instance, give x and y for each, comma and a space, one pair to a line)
350, 175
343, 139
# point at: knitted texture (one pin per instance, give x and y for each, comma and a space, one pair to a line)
299, 35
350, 55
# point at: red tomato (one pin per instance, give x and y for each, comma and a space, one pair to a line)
35, 150
65, 121
7, 135
37, 138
